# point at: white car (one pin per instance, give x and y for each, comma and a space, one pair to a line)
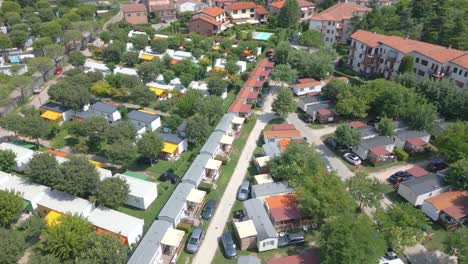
352, 158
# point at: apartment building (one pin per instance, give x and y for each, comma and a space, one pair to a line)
209, 21
376, 53
242, 12
369, 3
335, 22
165, 9
307, 8
135, 13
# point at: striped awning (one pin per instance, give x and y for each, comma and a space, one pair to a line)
51, 115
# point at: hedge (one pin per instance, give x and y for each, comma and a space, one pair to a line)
401, 154
184, 227
205, 187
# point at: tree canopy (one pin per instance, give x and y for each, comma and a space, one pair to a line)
284, 103
112, 192
365, 190
7, 160
347, 136
289, 14
453, 142
458, 175
149, 146
11, 205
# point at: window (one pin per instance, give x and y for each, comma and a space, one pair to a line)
359, 64
329, 23
424, 62
421, 73
235, 11
138, 14
466, 73
252, 15
326, 39
455, 70
460, 72
360, 55
362, 46
417, 60
129, 15
333, 31
244, 11
251, 10
328, 31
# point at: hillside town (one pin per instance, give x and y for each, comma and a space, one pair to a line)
227, 131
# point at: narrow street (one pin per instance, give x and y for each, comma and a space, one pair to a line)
209, 246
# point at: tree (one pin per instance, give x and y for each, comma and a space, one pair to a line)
130, 58
284, 74
139, 41
386, 126
5, 42
421, 116
112, 192
51, 29
105, 36
54, 51
79, 177
355, 234
282, 51
122, 152
67, 240
458, 175
74, 92
457, 244
159, 45
37, 127
111, 54
216, 86
149, 70
453, 143
22, 84
7, 160
12, 205
365, 190
44, 259
95, 128
123, 130
289, 14
12, 122
402, 225
352, 105
18, 38
40, 43
211, 107
149, 146
311, 38
284, 104
142, 96
12, 244
232, 67
334, 88
43, 169
42, 65
186, 105
76, 58
10, 6
104, 248
406, 64
347, 136
198, 129
101, 88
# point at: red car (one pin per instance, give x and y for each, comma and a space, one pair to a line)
58, 71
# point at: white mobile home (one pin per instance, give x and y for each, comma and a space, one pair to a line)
267, 237
142, 193
419, 189
23, 155
30, 192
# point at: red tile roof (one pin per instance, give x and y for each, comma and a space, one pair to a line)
462, 61
241, 5
457, 212
265, 63
306, 258
278, 4
213, 11
340, 12
417, 142
281, 127
208, 20
281, 134
57, 153
449, 199
238, 106
247, 93
286, 213
306, 80
406, 45
304, 85
252, 82
417, 171
259, 72
357, 124
281, 201
304, 3
283, 143
245, 108
379, 151
324, 112
130, 8
261, 10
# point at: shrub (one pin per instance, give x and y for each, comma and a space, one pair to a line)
205, 187
401, 154
184, 227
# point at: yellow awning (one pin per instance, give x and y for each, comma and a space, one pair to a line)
51, 115
147, 57
169, 148
52, 218
157, 91
147, 112
96, 163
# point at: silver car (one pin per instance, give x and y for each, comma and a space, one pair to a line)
352, 158
194, 241
244, 191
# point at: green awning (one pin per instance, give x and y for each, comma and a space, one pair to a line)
135, 175
26, 204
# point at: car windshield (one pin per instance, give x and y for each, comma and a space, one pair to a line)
244, 191
193, 240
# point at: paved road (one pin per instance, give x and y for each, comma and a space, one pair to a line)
314, 135
215, 229
39, 99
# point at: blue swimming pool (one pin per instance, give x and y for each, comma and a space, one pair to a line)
261, 35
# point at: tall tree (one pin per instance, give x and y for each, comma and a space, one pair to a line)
42, 65
284, 104
7, 160
284, 73
347, 136
43, 169
76, 58
453, 143
79, 177
140, 41
457, 244
365, 190
282, 51
458, 175
104, 248
211, 107
217, 86
149, 70
149, 146
122, 152
22, 84
112, 192
159, 45
198, 129
13, 122
334, 88
37, 127
311, 38
421, 116
55, 52
406, 64
12, 244
289, 14
386, 126
12, 205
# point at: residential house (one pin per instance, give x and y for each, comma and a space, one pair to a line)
142, 193
334, 23
267, 237
220, 64
271, 149
266, 64
242, 12
307, 86
164, 9
222, 3
412, 141
417, 171
276, 135
263, 178
309, 258
260, 74
367, 132
128, 228
307, 8
417, 190
173, 146
22, 155
453, 201
261, 13
144, 121
240, 108
212, 144
370, 3
160, 245
305, 102
96, 66
246, 234
202, 87
209, 21
125, 71
254, 84
203, 168
55, 203
135, 13
261, 164
56, 112
248, 95
285, 213
32, 193
225, 124
190, 6
108, 111
261, 191
375, 53
183, 206
377, 149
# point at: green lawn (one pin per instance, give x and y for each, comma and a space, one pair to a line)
317, 126
439, 234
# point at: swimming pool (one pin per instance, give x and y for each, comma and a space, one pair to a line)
261, 35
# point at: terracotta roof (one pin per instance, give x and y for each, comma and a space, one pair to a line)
252, 82
379, 151
306, 80
278, 4
406, 45
286, 213
208, 20
357, 124
261, 10
304, 3
57, 153
259, 72
280, 127
418, 142
340, 12
213, 11
462, 61
281, 201
283, 143
265, 63
417, 171
241, 5
306, 258
307, 84
238, 106
449, 199
457, 212
247, 93
344, 79
245, 108
282, 134
130, 8
324, 111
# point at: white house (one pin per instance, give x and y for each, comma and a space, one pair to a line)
220, 63
96, 66
104, 173
108, 111
267, 237
126, 71
30, 192
434, 206
242, 12
261, 191
176, 207
128, 228
202, 87
418, 189
190, 6
64, 203
144, 121
307, 86
149, 251
23, 155
173, 145
142, 193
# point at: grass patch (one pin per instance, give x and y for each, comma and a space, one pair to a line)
317, 126
439, 235
275, 121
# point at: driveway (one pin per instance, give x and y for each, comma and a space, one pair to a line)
41, 98
209, 246
314, 135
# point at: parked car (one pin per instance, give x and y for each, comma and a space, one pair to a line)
194, 240
437, 165
306, 118
229, 247
168, 176
260, 102
209, 209
399, 176
265, 90
334, 144
58, 71
244, 191
293, 239
373, 121
37, 90
352, 158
